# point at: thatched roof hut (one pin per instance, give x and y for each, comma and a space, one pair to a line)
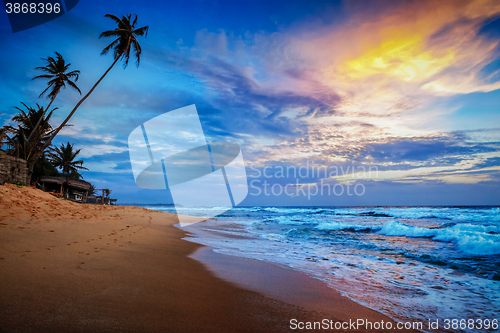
77, 189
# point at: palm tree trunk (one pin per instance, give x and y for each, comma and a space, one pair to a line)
48, 106
36, 156
67, 185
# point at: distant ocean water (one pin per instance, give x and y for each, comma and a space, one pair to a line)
412, 263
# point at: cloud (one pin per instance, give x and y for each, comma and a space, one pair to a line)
238, 103
95, 150
424, 150
391, 73
448, 174
372, 87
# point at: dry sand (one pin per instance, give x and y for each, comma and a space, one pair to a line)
68, 267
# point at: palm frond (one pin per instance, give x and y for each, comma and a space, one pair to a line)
74, 86
107, 48
142, 31
75, 74
126, 38
59, 77
137, 49
111, 33
114, 18
45, 76
45, 69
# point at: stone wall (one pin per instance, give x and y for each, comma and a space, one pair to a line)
12, 169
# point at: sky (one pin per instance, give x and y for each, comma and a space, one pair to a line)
396, 99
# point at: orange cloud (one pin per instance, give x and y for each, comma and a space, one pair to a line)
414, 44
389, 70
402, 57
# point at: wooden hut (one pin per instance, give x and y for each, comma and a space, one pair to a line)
76, 189
52, 184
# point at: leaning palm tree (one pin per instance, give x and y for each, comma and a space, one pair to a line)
64, 158
57, 73
126, 39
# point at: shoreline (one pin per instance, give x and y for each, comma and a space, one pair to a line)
71, 267
287, 285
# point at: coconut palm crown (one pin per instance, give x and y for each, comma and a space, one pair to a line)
126, 34
57, 73
23, 146
64, 158
27, 120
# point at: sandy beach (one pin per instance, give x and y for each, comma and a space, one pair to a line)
68, 267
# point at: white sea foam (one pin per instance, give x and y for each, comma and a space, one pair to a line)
471, 239
345, 226
410, 263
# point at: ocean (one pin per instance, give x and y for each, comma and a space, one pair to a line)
411, 263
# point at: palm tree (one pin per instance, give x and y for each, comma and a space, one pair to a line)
56, 70
92, 190
126, 34
64, 158
57, 73
3, 135
26, 120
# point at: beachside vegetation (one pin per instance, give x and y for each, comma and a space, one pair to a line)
27, 138
56, 71
31, 138
126, 42
64, 158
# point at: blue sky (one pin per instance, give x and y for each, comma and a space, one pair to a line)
411, 88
